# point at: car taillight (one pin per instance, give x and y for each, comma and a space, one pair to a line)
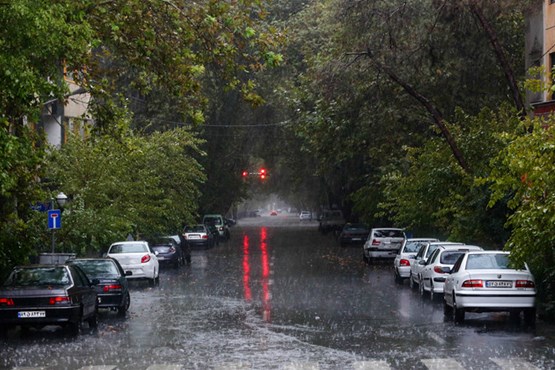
145, 258
6, 302
473, 284
375, 242
205, 236
441, 270
404, 262
524, 284
59, 300
107, 288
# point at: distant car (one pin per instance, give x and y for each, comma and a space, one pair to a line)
406, 256
218, 221
112, 290
331, 220
439, 266
199, 235
185, 247
383, 243
40, 295
137, 259
214, 230
273, 213
485, 282
167, 251
305, 216
422, 256
353, 234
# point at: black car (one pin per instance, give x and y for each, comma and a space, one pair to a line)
40, 295
112, 289
353, 234
168, 251
214, 230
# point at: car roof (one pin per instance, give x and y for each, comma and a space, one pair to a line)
446, 243
461, 247
387, 228
421, 239
490, 252
129, 242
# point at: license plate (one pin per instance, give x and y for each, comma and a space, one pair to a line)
30, 314
194, 237
499, 284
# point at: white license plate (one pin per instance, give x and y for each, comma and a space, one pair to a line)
194, 237
499, 284
30, 314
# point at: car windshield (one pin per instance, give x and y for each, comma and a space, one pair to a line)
487, 261
389, 234
450, 257
413, 247
95, 269
431, 250
38, 276
128, 248
212, 220
195, 229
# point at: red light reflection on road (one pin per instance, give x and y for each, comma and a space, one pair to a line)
246, 269
265, 269
266, 296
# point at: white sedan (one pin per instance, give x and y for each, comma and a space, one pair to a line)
439, 266
137, 259
407, 254
484, 282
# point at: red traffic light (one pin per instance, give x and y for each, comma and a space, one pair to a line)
262, 173
244, 173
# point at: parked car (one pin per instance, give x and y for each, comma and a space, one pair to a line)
331, 220
218, 221
305, 216
137, 259
439, 266
199, 235
40, 295
406, 256
215, 233
485, 282
185, 247
112, 290
353, 234
167, 251
422, 256
383, 243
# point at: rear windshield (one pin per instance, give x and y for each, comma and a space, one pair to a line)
413, 246
450, 257
195, 229
389, 234
487, 261
98, 269
355, 227
213, 220
39, 276
128, 248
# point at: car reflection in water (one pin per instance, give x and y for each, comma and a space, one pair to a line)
265, 280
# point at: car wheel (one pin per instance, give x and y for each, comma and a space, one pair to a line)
432, 295
421, 288
74, 328
447, 310
398, 278
530, 316
188, 259
365, 259
458, 313
125, 305
93, 320
412, 284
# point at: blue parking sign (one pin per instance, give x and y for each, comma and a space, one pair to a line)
54, 219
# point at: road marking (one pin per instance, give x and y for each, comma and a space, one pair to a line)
442, 364
513, 364
371, 365
301, 366
437, 338
164, 367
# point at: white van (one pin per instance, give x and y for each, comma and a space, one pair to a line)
220, 223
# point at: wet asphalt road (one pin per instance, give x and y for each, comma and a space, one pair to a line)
279, 295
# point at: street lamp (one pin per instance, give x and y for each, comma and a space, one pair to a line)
61, 199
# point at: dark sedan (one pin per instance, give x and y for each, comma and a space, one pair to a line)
40, 295
353, 234
112, 289
168, 251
